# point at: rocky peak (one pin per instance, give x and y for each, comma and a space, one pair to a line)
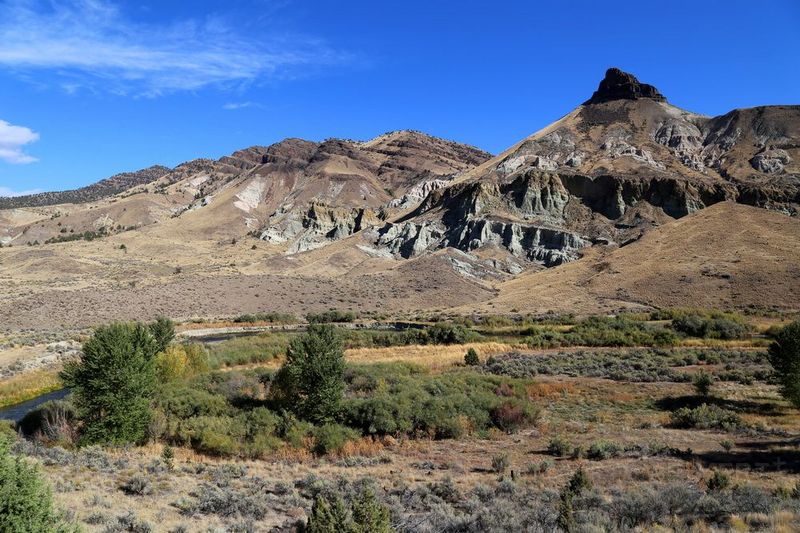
619, 85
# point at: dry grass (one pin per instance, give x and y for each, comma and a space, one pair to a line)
28, 385
429, 356
696, 261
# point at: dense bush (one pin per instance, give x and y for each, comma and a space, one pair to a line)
163, 331
602, 331
331, 438
331, 316
713, 326
113, 383
559, 446
403, 399
706, 417
702, 382
274, 318
365, 515
182, 361
441, 333
26, 505
638, 365
601, 450
784, 354
249, 349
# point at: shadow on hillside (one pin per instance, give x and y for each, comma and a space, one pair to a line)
752, 460
673, 403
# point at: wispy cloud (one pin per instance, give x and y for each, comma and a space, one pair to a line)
12, 140
5, 191
92, 43
233, 106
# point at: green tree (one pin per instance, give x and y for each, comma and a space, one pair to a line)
163, 330
365, 515
311, 381
784, 354
471, 358
113, 382
578, 483
370, 515
26, 505
327, 518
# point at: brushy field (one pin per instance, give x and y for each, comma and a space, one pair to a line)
612, 437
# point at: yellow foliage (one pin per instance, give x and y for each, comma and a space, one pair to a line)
181, 361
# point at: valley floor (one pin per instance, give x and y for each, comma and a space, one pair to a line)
603, 410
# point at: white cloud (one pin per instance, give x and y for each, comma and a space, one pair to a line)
232, 106
12, 140
5, 191
90, 43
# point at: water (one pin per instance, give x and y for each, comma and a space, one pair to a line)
18, 411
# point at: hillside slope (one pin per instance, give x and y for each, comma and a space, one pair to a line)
726, 256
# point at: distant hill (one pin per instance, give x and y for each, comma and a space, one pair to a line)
97, 191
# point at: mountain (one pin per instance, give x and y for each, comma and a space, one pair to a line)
296, 192
624, 161
625, 202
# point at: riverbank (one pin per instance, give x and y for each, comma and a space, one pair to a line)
29, 385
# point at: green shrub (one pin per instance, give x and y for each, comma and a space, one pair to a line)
333, 315
403, 399
784, 355
26, 505
274, 318
249, 349
168, 456
702, 382
712, 326
370, 515
365, 515
113, 383
559, 446
601, 450
446, 333
331, 438
500, 463
619, 331
718, 481
705, 417
471, 358
328, 517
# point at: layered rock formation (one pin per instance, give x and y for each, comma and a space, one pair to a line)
620, 163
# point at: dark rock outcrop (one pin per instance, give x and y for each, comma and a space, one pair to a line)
619, 85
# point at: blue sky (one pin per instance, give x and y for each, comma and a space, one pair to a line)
89, 88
